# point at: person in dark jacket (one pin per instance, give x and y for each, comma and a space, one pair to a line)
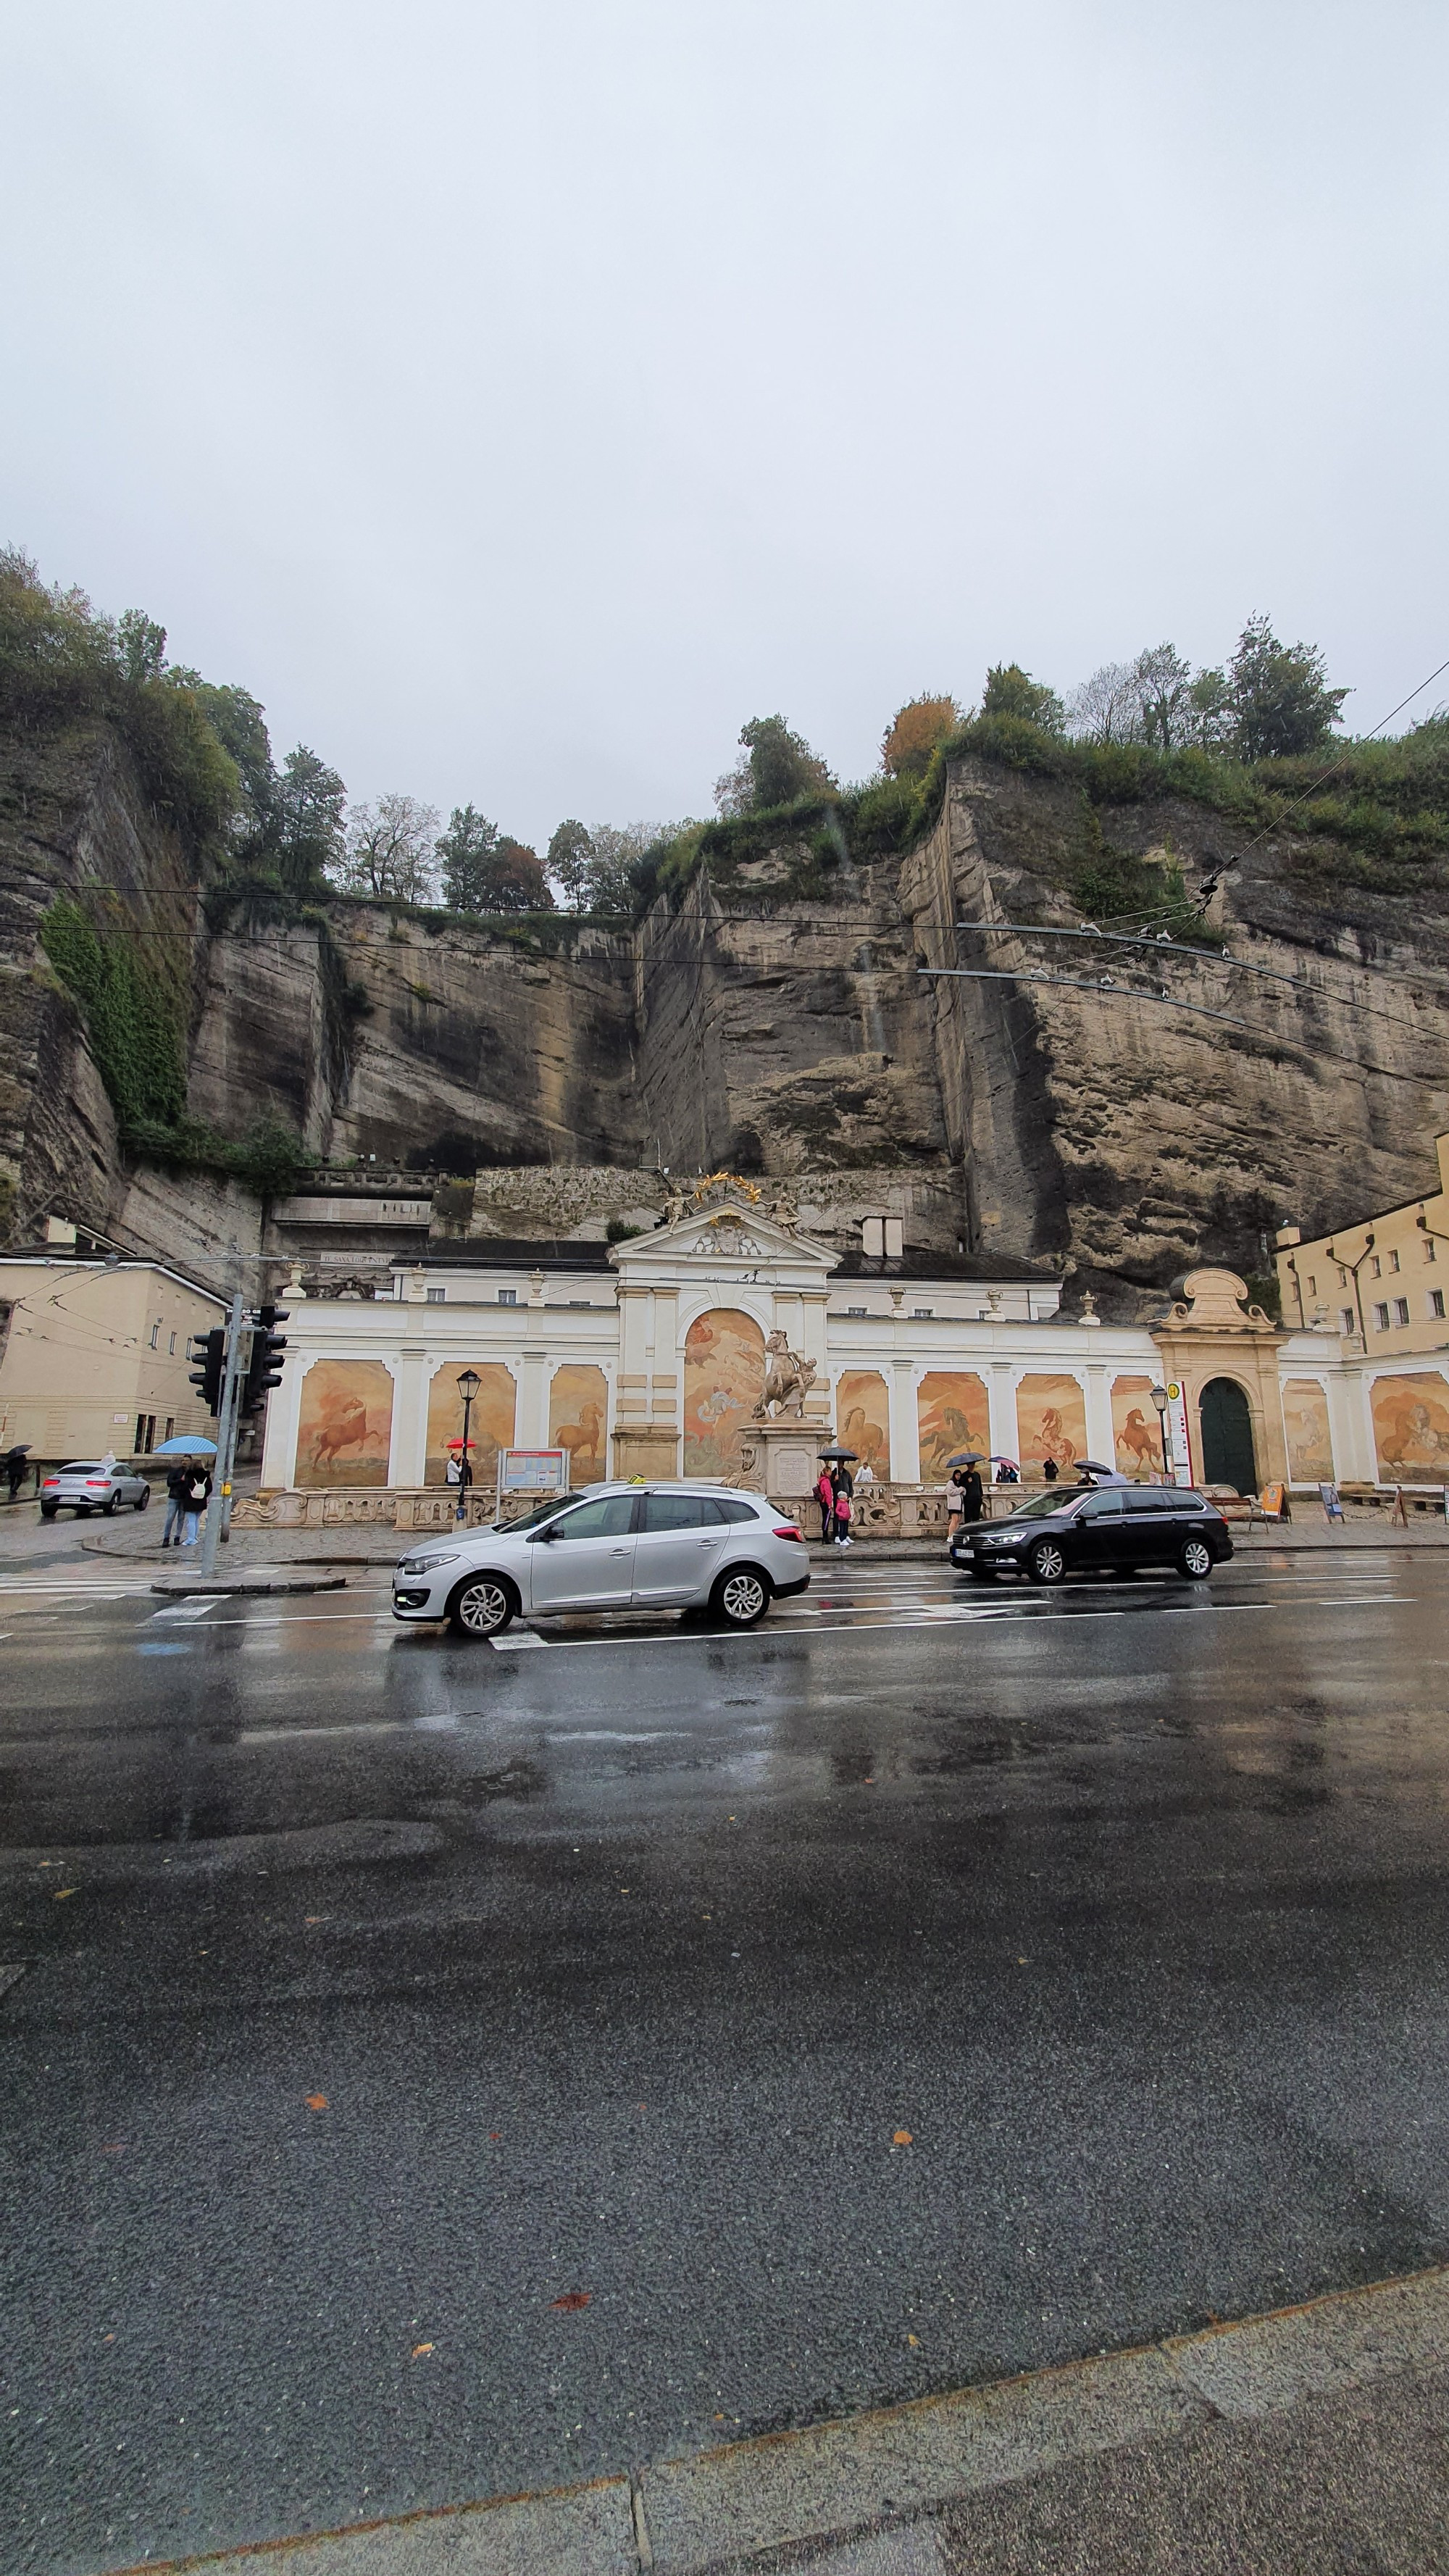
176, 1482
973, 1494
1050, 1470
16, 1462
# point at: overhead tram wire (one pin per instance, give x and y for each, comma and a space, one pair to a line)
1204, 956
1103, 988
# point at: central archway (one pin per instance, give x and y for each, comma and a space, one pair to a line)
724, 1375
1227, 1436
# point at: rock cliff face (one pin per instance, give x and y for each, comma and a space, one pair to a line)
777, 1017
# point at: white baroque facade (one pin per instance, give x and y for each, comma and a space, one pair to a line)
650, 1357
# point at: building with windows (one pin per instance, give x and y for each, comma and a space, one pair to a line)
93, 1351
654, 1356
1381, 1283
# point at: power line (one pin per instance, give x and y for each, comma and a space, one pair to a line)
1203, 956
1162, 1002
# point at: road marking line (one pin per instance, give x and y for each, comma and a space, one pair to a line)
190, 1609
520, 1637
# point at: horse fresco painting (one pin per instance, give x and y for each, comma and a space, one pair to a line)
863, 1417
1305, 1425
952, 1412
1411, 1427
724, 1382
1051, 1422
344, 1431
578, 1409
1135, 1435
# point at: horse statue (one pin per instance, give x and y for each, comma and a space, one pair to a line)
788, 1380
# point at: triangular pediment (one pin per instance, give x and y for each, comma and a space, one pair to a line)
729, 1233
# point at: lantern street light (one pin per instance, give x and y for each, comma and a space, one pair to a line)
468, 1384
1160, 1399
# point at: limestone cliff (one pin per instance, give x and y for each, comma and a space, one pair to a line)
775, 1015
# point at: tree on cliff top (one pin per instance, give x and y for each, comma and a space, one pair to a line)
597, 869
779, 767
485, 870
389, 851
913, 733
1278, 695
1010, 691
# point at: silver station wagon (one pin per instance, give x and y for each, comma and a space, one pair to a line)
613, 1547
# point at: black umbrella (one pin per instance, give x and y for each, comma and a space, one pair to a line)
968, 1458
1093, 1467
838, 1453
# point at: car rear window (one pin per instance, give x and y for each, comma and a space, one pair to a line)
82, 1467
1155, 1498
729, 1510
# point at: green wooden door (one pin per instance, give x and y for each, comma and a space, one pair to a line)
1227, 1437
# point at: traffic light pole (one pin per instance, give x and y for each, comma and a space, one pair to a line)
218, 1510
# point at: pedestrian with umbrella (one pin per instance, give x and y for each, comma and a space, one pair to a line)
965, 1495
187, 1487
15, 1464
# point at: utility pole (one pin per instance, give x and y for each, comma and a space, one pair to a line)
218, 1510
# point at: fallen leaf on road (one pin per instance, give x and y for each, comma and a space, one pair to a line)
572, 2299
316, 2101
493, 2136
418, 2350
118, 2149
59, 1892
915, 2339
316, 1918
902, 2138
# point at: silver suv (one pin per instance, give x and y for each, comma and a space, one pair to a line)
613, 1547
86, 1486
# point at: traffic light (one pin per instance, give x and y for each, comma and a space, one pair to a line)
264, 1368
208, 1351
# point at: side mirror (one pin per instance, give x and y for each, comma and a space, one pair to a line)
546, 1532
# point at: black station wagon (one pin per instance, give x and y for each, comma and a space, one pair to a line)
1099, 1528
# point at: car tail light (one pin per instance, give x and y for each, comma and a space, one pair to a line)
97, 1484
49, 1482
787, 1529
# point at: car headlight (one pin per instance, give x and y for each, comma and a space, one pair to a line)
425, 1564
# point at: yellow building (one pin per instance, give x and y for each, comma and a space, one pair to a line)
93, 1354
1381, 1283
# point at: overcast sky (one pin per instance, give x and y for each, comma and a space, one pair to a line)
517, 399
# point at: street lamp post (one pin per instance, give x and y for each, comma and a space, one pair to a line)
468, 1384
1159, 1398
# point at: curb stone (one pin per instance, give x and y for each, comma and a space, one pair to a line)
260, 1578
868, 2479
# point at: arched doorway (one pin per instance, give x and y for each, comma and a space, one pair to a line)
1227, 1437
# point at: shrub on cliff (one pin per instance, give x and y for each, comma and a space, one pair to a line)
61, 663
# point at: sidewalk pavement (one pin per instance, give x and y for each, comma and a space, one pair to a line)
1293, 2444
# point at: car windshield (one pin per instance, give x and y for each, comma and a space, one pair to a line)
1054, 1501
540, 1512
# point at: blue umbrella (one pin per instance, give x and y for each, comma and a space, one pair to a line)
184, 1448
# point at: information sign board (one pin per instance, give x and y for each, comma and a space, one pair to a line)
533, 1471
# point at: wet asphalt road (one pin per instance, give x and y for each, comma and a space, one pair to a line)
439, 2070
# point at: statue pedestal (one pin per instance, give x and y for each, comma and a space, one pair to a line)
779, 1458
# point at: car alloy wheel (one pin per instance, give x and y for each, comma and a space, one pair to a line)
1196, 1560
1046, 1563
142, 1499
108, 1507
742, 1598
482, 1607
